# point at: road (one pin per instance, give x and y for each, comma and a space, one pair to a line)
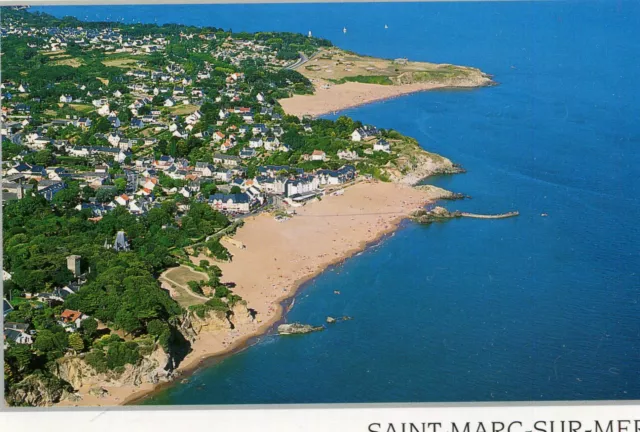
302, 60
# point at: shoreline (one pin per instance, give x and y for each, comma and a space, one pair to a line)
284, 306
334, 230
340, 97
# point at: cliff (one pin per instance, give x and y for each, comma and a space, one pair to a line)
154, 368
37, 390
412, 163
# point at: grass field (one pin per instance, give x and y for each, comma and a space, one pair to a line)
126, 63
182, 109
183, 274
81, 107
339, 66
177, 279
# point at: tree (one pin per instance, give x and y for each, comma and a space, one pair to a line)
105, 194
75, 342
89, 327
121, 184
101, 125
235, 189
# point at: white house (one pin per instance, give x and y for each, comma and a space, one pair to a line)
255, 143
347, 154
104, 110
114, 138
382, 145
236, 203
318, 155
66, 99
303, 185
169, 102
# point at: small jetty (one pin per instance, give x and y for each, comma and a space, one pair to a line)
440, 214
493, 216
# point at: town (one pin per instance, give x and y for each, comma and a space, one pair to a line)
140, 141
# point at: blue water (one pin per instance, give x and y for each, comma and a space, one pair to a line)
530, 308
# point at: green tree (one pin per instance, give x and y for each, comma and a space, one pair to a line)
75, 342
89, 327
121, 184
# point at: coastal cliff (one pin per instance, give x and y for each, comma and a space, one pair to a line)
413, 164
155, 368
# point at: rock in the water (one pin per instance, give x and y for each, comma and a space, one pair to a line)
331, 320
346, 318
297, 328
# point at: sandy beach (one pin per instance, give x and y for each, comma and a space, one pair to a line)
283, 255
348, 95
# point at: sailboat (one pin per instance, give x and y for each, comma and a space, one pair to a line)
386, 26
344, 30
309, 33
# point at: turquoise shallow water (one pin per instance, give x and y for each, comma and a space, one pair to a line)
530, 308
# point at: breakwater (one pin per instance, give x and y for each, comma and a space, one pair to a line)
493, 216
440, 214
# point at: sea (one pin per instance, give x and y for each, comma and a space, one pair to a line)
541, 307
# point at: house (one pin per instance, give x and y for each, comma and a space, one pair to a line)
115, 121
382, 145
217, 136
271, 143
123, 200
6, 307
247, 153
104, 110
66, 99
71, 319
301, 187
333, 177
114, 138
318, 155
259, 129
272, 185
84, 122
226, 160
363, 133
169, 102
255, 143
17, 336
233, 203
347, 155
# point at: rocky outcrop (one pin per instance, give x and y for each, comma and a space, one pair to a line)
446, 75
37, 390
215, 320
297, 328
436, 193
437, 214
154, 368
414, 164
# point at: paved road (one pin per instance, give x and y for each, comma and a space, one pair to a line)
302, 60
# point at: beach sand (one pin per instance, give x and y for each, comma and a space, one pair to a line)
280, 256
348, 95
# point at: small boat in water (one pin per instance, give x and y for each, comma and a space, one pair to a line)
544, 215
344, 30
386, 26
